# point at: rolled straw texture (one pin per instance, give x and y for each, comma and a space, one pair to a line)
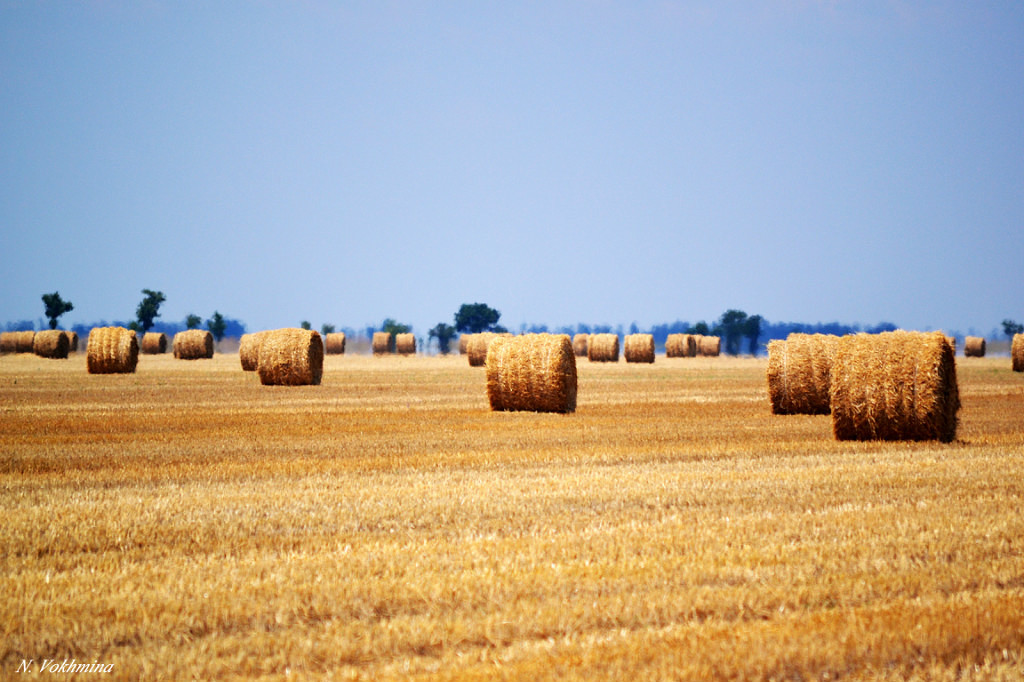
382, 343
51, 343
603, 348
72, 341
894, 386
579, 345
638, 348
153, 343
680, 346
405, 344
193, 344
8, 342
249, 350
476, 347
1017, 352
17, 342
531, 372
464, 343
974, 347
798, 373
709, 346
334, 343
112, 350
290, 357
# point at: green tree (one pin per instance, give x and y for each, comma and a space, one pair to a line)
55, 307
305, 324
733, 324
326, 329
193, 321
753, 332
217, 326
701, 328
474, 318
148, 310
1010, 328
444, 333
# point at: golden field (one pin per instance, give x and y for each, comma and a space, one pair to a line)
186, 522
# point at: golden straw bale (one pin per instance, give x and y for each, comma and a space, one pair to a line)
382, 343
681, 346
1017, 352
476, 347
72, 341
579, 345
112, 350
974, 347
798, 373
638, 348
193, 344
153, 343
464, 343
51, 343
709, 346
894, 386
249, 350
531, 372
8, 342
405, 344
290, 357
603, 348
951, 340
334, 343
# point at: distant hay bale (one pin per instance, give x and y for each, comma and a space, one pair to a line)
709, 346
290, 357
112, 350
153, 343
405, 344
193, 344
603, 348
531, 372
798, 373
72, 341
974, 347
8, 342
464, 343
334, 343
476, 347
249, 350
579, 345
17, 342
894, 386
382, 343
680, 346
51, 343
1017, 352
638, 348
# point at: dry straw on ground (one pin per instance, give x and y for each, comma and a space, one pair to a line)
798, 373
638, 348
382, 343
974, 347
405, 344
112, 350
680, 346
894, 386
334, 343
709, 346
532, 372
603, 348
153, 343
579, 345
1017, 352
476, 347
193, 344
249, 350
290, 357
51, 343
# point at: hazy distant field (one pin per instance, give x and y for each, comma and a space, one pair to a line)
185, 521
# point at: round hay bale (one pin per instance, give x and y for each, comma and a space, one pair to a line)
464, 343
51, 343
1017, 352
249, 350
334, 343
798, 374
382, 343
405, 344
72, 341
193, 344
8, 342
17, 342
579, 345
603, 348
477, 346
111, 350
974, 346
709, 346
153, 343
531, 372
680, 346
894, 386
638, 348
290, 357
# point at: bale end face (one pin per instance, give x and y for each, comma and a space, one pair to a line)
532, 373
290, 357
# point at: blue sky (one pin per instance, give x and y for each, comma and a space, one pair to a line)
580, 161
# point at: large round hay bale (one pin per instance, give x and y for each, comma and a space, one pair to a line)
334, 343
249, 350
405, 344
8, 342
72, 341
680, 346
193, 344
974, 347
17, 342
153, 343
111, 350
1017, 352
603, 348
579, 345
50, 343
290, 357
709, 346
464, 343
894, 386
638, 348
476, 347
382, 343
531, 372
798, 373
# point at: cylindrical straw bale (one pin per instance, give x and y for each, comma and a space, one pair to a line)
72, 341
476, 348
680, 346
8, 342
894, 386
51, 343
464, 343
382, 343
974, 347
17, 342
798, 373
579, 345
405, 344
1017, 352
334, 343
193, 344
638, 348
249, 350
153, 343
603, 348
709, 346
531, 372
290, 357
112, 350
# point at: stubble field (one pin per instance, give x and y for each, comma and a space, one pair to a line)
186, 522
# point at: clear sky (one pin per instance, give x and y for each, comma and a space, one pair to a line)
570, 161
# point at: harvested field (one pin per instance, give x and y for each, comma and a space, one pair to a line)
185, 521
